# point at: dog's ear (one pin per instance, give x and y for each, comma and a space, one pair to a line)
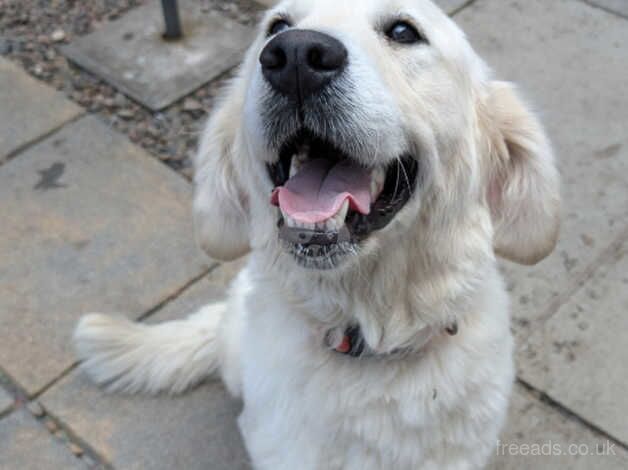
523, 189
220, 201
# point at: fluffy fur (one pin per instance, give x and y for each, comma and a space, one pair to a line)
488, 185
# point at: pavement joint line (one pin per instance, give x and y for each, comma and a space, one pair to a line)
544, 398
14, 388
170, 298
55, 381
579, 280
32, 143
72, 438
462, 7
605, 9
178, 293
8, 411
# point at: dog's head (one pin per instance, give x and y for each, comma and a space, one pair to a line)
368, 131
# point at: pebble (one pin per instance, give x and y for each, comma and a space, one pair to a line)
76, 449
5, 46
108, 102
191, 104
119, 100
57, 35
33, 31
153, 131
126, 113
36, 409
51, 426
188, 172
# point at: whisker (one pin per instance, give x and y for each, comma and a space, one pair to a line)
397, 181
405, 174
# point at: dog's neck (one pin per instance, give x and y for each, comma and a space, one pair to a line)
394, 297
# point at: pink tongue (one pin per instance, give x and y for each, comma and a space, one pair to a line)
316, 193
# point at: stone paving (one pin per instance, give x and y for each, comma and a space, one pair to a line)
132, 55
26, 444
6, 401
90, 221
30, 110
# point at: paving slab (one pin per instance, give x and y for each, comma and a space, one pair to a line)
451, 6
579, 357
538, 436
131, 54
6, 400
90, 223
26, 445
195, 431
619, 7
28, 109
556, 51
212, 288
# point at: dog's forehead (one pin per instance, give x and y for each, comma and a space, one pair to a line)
364, 16
359, 11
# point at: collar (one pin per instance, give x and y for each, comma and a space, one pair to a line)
354, 345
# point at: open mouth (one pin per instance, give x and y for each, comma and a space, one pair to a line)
330, 202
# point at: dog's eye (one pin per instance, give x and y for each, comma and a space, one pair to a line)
404, 33
278, 26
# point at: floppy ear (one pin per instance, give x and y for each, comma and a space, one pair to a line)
523, 184
220, 202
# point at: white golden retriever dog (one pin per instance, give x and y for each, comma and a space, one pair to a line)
372, 167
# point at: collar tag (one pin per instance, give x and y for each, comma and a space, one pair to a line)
351, 342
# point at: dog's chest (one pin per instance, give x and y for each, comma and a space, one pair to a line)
322, 406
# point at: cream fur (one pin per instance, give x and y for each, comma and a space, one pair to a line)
489, 184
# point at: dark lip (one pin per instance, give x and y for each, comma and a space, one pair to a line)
308, 245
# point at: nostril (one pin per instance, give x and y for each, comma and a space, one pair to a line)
323, 58
273, 58
315, 59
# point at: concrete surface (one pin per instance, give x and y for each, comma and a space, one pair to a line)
619, 7
89, 221
167, 433
541, 438
556, 52
196, 431
26, 445
131, 54
575, 357
6, 400
28, 109
451, 6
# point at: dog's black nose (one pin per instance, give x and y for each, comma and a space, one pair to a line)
299, 63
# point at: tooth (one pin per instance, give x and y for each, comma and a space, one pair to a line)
298, 159
290, 222
295, 165
342, 214
378, 178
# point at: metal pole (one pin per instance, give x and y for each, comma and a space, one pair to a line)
171, 17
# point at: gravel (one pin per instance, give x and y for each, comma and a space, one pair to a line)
31, 31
